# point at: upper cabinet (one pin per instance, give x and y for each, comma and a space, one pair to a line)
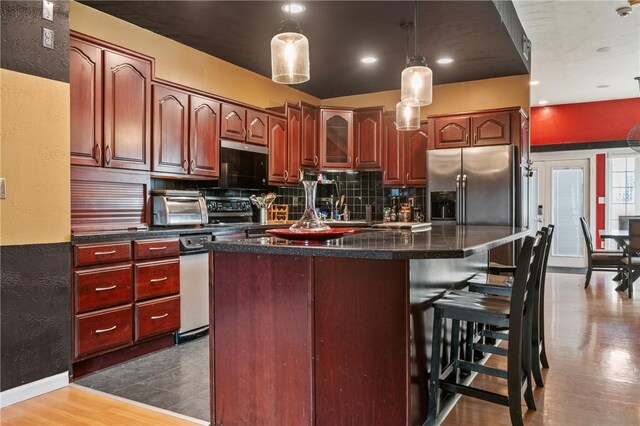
309, 149
204, 137
278, 155
110, 107
85, 73
294, 128
404, 154
392, 152
336, 139
127, 111
483, 128
243, 125
368, 138
170, 130
415, 154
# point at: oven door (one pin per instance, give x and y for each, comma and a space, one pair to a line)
243, 166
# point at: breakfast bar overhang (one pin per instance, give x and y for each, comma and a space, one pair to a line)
338, 333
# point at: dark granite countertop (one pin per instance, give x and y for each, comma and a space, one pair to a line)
442, 241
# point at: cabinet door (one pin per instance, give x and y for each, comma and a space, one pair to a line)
170, 130
415, 155
491, 129
127, 112
393, 153
309, 137
277, 150
257, 127
451, 132
85, 74
336, 139
368, 139
293, 145
233, 125
204, 140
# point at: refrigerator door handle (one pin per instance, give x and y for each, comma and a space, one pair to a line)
458, 201
464, 200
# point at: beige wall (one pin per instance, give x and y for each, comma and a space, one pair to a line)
181, 64
455, 97
34, 158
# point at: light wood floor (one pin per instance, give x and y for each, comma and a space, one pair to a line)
74, 407
593, 339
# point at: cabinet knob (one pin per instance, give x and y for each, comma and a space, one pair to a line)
315, 159
407, 176
97, 153
107, 155
185, 164
250, 133
193, 166
244, 133
300, 175
286, 175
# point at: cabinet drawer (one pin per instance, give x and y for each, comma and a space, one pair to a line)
96, 254
149, 249
157, 316
102, 287
102, 330
153, 279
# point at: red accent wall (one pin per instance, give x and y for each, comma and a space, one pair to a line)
584, 122
601, 172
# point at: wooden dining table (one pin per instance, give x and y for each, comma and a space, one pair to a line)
621, 237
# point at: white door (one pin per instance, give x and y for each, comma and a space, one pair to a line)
564, 196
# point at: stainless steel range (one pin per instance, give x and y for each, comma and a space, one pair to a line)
229, 210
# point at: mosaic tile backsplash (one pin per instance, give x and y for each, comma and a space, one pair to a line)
360, 189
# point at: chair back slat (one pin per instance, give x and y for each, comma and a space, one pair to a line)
634, 235
587, 235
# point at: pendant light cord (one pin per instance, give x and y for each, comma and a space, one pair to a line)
415, 33
289, 10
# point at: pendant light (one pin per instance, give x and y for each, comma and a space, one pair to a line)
417, 78
289, 54
407, 113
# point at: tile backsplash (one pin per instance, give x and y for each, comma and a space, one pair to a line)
360, 188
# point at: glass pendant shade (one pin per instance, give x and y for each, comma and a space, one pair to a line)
289, 55
417, 82
407, 116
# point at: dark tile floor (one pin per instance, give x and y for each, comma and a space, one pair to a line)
176, 379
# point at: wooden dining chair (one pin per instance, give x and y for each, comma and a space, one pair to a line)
599, 260
631, 261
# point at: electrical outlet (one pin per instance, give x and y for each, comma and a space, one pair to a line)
3, 188
295, 201
47, 38
47, 10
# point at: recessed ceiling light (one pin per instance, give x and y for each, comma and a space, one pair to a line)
295, 8
602, 86
543, 102
369, 60
534, 83
604, 49
444, 61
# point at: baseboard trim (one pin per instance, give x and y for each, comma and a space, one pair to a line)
33, 389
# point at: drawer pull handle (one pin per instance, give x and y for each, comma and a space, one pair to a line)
157, 248
155, 317
103, 253
104, 330
157, 280
106, 288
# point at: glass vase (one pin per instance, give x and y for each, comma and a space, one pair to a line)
310, 221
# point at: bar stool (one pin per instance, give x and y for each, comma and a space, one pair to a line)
500, 286
497, 311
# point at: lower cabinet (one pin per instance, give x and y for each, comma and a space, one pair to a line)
131, 300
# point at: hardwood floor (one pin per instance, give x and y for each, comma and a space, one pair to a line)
593, 339
73, 407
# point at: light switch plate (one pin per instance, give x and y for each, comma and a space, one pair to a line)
47, 38
602, 200
47, 10
3, 188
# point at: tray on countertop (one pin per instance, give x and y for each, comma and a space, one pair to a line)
412, 226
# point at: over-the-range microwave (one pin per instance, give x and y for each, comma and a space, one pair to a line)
243, 166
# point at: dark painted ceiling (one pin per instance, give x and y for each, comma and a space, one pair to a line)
339, 33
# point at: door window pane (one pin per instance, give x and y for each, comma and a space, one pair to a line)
568, 207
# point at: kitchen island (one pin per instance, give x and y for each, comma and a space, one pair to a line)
338, 333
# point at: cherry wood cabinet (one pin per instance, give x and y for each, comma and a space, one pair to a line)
170, 130
294, 127
244, 125
98, 331
309, 149
153, 249
491, 128
97, 254
98, 288
204, 137
405, 155
127, 111
368, 138
85, 74
155, 279
157, 317
278, 155
481, 128
336, 139
451, 132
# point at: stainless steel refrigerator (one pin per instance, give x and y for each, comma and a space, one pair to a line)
476, 186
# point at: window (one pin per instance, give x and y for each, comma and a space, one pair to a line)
621, 191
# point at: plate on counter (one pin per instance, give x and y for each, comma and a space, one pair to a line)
311, 237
